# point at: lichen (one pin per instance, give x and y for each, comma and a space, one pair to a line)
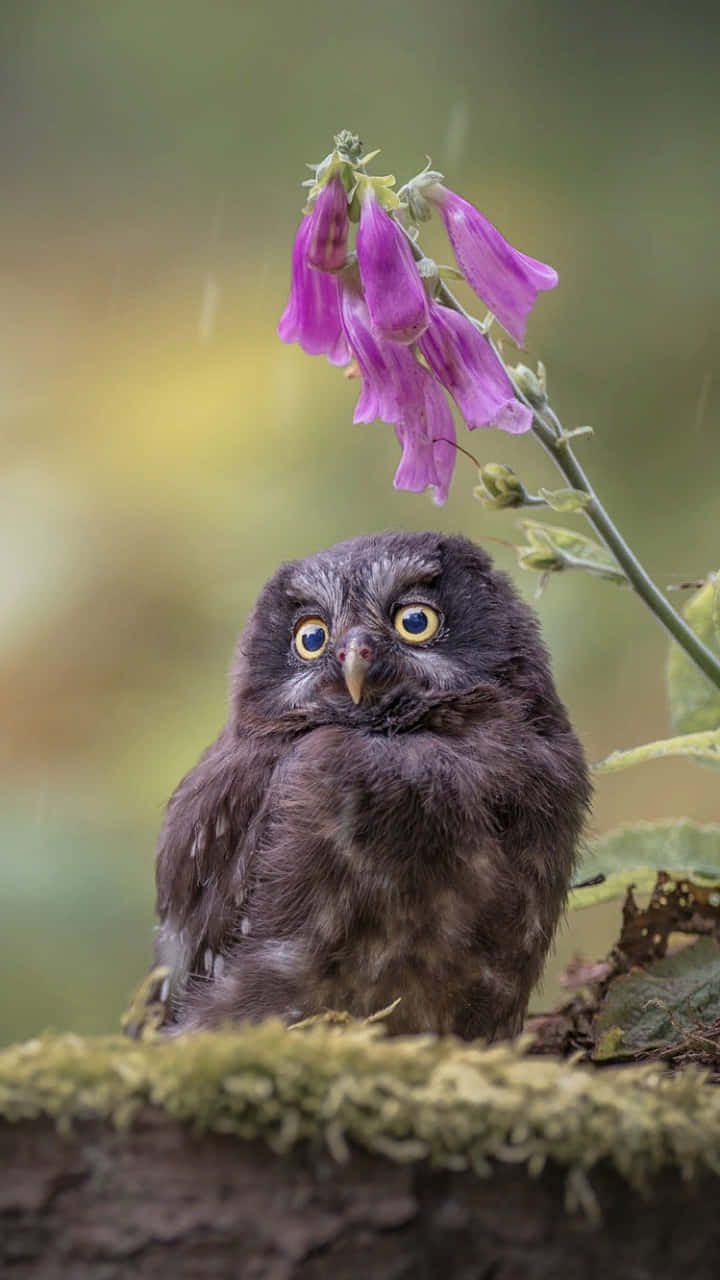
454, 1104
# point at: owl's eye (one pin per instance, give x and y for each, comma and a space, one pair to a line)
311, 637
416, 622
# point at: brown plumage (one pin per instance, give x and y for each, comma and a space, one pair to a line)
394, 814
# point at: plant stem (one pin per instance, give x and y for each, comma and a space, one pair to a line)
548, 430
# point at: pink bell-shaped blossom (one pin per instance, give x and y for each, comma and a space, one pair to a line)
394, 292
380, 393
397, 389
507, 280
329, 225
312, 312
464, 362
426, 433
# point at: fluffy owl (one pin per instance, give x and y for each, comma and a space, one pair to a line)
392, 809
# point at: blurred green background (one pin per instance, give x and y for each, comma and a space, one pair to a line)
161, 450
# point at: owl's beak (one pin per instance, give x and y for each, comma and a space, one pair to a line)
354, 653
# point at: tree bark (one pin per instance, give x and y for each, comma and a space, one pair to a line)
159, 1201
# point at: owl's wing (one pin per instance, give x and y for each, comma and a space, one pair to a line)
204, 856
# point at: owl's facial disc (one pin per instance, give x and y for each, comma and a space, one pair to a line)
355, 653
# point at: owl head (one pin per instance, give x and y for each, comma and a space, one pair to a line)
381, 622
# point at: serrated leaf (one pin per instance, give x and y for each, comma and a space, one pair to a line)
634, 854
565, 499
662, 1004
696, 746
694, 701
552, 548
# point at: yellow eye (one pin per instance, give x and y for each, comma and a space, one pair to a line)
416, 622
311, 637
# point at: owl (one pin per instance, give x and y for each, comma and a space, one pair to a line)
392, 810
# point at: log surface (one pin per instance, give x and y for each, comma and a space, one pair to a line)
158, 1201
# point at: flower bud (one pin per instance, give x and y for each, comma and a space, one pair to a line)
529, 385
418, 207
551, 548
348, 145
540, 555
500, 487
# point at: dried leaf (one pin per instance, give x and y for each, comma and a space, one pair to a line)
677, 905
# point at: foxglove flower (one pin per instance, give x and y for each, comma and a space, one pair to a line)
312, 313
464, 362
397, 389
381, 393
507, 281
329, 224
394, 292
426, 433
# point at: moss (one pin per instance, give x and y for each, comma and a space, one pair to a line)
457, 1105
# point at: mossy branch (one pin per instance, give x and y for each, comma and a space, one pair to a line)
411, 1098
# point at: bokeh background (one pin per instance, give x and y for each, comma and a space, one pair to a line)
161, 450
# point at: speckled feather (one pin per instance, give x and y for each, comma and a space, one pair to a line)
418, 845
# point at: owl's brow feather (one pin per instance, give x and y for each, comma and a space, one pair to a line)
389, 576
316, 585
384, 579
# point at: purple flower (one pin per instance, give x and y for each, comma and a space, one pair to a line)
464, 362
507, 281
399, 390
395, 294
329, 223
380, 394
426, 433
312, 313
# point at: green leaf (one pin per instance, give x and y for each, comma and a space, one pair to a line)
696, 746
694, 701
661, 1005
565, 499
552, 549
634, 855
